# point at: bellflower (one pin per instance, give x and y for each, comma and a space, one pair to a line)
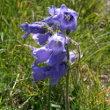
53, 53
34, 28
41, 73
63, 17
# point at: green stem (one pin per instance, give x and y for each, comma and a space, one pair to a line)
67, 92
67, 83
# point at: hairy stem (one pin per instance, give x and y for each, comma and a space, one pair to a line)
67, 83
79, 52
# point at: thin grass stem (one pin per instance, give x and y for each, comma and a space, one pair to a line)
49, 95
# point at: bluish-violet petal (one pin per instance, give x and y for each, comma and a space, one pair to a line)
48, 20
63, 69
56, 58
36, 28
67, 22
74, 21
40, 73
43, 38
42, 54
57, 42
56, 75
63, 38
56, 46
52, 21
52, 11
55, 11
74, 27
40, 24
33, 28
68, 27
65, 25
63, 8
65, 59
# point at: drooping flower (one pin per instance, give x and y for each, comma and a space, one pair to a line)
63, 17
34, 28
53, 53
41, 73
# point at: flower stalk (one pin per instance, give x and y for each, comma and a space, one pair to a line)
67, 82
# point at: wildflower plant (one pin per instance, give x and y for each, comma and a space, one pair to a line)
53, 43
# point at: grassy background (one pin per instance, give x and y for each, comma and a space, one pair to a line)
90, 91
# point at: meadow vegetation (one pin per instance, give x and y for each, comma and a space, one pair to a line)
89, 78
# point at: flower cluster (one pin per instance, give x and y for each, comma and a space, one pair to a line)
53, 52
